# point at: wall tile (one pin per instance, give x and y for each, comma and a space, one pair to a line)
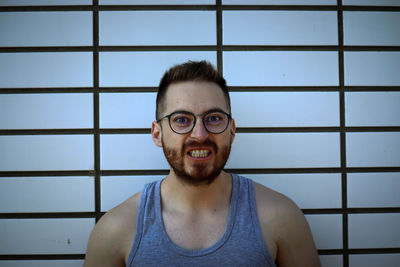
116, 189
309, 191
142, 68
372, 108
380, 149
46, 152
374, 230
127, 110
46, 194
46, 111
373, 189
57, 236
285, 150
46, 28
371, 28
312, 28
326, 230
61, 69
157, 28
371, 68
280, 68
285, 109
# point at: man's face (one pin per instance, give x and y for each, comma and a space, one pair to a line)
198, 156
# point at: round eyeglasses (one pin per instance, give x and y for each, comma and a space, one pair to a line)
183, 122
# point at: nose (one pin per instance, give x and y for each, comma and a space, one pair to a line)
199, 132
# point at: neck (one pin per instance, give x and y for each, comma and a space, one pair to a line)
196, 198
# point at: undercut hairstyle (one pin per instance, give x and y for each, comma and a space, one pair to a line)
189, 71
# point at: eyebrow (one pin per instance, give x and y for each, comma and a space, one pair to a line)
207, 111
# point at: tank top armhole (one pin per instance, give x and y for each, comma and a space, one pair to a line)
256, 224
139, 225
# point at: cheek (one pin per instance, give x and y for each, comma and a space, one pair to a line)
172, 140
225, 140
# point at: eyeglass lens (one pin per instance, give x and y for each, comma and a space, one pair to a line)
215, 122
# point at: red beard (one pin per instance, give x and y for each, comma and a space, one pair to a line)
197, 173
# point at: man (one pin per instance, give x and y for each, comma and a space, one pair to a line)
200, 215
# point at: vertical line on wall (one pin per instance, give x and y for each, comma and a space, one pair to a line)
219, 36
345, 234
96, 112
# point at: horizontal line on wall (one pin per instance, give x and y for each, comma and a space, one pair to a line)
372, 129
166, 171
156, 7
82, 256
49, 90
367, 88
310, 8
359, 251
286, 129
317, 88
280, 48
374, 250
373, 210
163, 7
313, 129
147, 89
307, 48
43, 257
36, 49
152, 89
45, 173
133, 172
47, 131
369, 210
370, 8
151, 48
370, 48
47, 8
312, 170
372, 169
83, 215
196, 7
283, 88
48, 215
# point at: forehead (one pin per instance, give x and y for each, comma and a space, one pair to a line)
194, 96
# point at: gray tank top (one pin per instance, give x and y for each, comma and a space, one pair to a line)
242, 243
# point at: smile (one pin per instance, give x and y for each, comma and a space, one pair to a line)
203, 153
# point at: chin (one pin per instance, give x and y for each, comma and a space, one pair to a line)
198, 175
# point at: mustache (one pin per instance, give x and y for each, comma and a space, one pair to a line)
192, 143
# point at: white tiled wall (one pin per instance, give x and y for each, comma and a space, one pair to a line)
143, 68
48, 116
265, 68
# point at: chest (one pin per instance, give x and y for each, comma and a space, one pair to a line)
195, 231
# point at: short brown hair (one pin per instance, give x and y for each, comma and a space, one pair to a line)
189, 71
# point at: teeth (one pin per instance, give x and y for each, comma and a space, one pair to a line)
199, 153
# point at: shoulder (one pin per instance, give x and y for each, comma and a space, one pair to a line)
112, 237
274, 205
285, 228
274, 211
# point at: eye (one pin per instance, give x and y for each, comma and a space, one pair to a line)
214, 118
181, 119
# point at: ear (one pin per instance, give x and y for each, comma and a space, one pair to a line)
233, 130
156, 134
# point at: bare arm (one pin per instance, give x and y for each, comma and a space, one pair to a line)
284, 225
295, 243
111, 239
